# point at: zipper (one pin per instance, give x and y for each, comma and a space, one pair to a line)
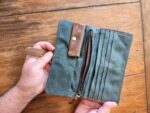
85, 65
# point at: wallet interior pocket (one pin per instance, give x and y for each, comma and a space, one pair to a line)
101, 65
106, 69
87, 49
96, 76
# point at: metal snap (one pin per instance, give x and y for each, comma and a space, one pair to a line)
74, 38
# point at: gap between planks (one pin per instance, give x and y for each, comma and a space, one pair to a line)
71, 8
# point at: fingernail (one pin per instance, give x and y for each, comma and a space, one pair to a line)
50, 53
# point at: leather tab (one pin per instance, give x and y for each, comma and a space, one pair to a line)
76, 40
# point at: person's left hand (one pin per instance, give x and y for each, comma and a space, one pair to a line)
88, 106
35, 71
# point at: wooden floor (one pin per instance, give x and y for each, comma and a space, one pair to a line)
24, 22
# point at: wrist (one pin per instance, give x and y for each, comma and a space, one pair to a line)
28, 88
14, 101
23, 93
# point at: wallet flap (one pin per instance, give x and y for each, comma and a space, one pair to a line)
76, 40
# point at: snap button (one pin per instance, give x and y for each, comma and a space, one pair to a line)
74, 38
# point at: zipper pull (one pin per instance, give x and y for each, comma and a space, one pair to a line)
75, 99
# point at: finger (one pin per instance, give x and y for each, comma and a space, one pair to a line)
93, 111
44, 45
90, 103
107, 106
87, 105
47, 67
41, 45
45, 59
43, 82
28, 57
45, 78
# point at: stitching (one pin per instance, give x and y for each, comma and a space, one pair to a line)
108, 66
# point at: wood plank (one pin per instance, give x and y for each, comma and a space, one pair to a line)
10, 7
47, 104
20, 31
133, 98
146, 30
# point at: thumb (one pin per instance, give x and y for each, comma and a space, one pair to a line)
87, 105
107, 106
42, 61
93, 111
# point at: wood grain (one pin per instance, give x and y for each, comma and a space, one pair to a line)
146, 23
11, 7
19, 31
133, 100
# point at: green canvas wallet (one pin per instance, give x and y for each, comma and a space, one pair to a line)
88, 62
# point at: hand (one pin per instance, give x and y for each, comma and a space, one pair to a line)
35, 71
88, 106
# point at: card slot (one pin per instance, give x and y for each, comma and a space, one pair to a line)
100, 75
89, 75
107, 61
93, 72
118, 59
97, 64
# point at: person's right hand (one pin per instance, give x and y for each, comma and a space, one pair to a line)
35, 71
88, 106
32, 81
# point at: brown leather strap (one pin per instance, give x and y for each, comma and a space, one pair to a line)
76, 40
35, 52
86, 61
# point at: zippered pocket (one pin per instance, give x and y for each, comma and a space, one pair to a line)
85, 65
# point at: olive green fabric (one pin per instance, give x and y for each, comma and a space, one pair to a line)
105, 75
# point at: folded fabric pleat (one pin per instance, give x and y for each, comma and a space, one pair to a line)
89, 76
107, 59
97, 66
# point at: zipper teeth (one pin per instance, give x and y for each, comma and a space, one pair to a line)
85, 65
